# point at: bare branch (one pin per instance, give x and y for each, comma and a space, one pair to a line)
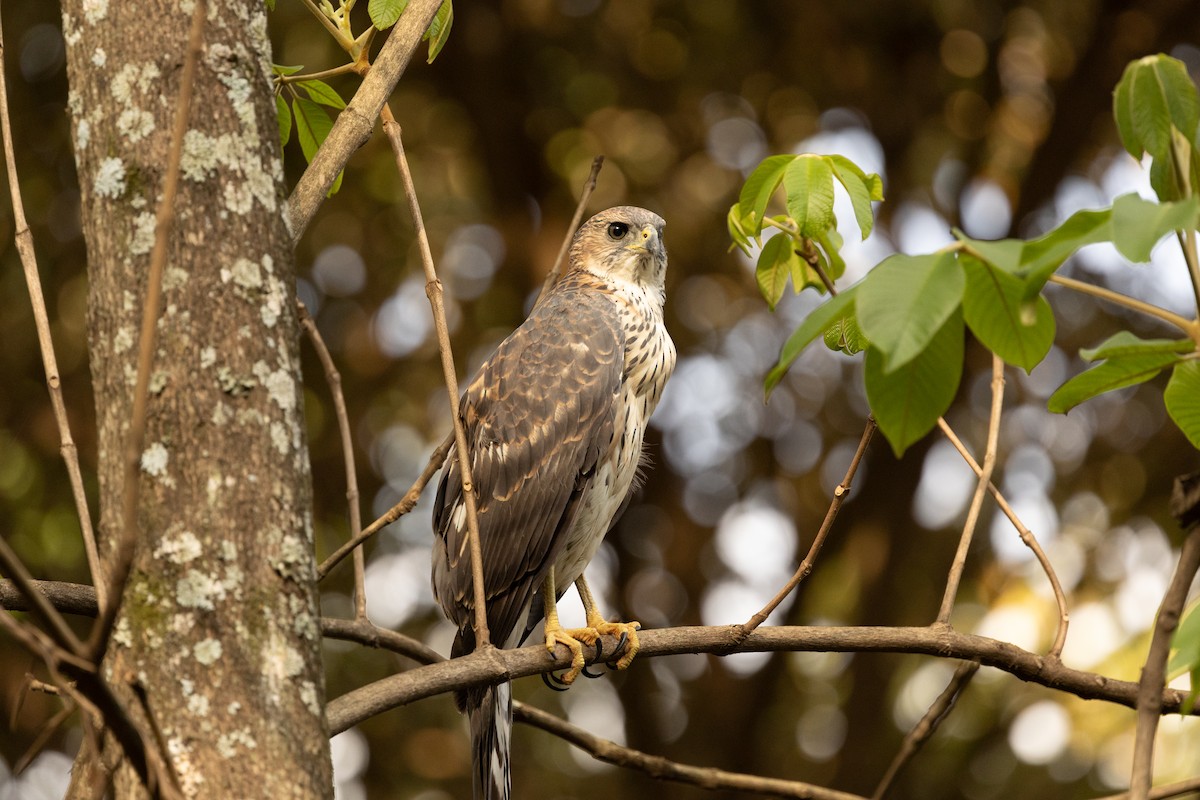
492, 665
334, 379
588, 186
839, 496
665, 769
1169, 790
365, 632
394, 513
985, 478
433, 288
24, 242
1154, 671
42, 609
928, 724
135, 437
1027, 537
354, 124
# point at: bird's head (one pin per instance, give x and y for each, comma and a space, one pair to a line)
623, 243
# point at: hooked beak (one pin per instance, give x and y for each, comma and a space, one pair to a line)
648, 241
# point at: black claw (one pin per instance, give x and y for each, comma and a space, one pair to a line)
584, 672
611, 663
554, 682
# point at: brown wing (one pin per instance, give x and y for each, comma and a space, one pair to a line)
538, 417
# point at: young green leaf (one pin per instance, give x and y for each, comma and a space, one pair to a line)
830, 246
1041, 257
439, 29
861, 190
741, 239
907, 402
757, 190
1186, 644
280, 69
321, 92
283, 115
1114, 373
1002, 253
270, 5
312, 126
1125, 343
1123, 113
1182, 397
992, 308
808, 181
905, 301
815, 324
1162, 95
1139, 224
775, 267
384, 13
845, 336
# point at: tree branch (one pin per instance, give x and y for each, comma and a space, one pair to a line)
588, 186
433, 288
24, 243
1154, 670
334, 379
135, 437
354, 124
985, 478
665, 769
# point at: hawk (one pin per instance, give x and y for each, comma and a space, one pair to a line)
554, 422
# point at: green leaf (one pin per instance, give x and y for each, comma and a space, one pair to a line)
1123, 113
1125, 343
775, 267
861, 190
1114, 373
384, 13
1182, 397
1041, 257
992, 308
757, 190
1186, 644
1002, 253
1139, 224
283, 115
1149, 110
439, 29
312, 126
321, 92
270, 5
830, 246
808, 181
815, 324
907, 402
737, 232
905, 301
280, 69
845, 335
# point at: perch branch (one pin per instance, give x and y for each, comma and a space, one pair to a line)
135, 436
334, 379
24, 243
985, 478
394, 513
588, 186
433, 288
1149, 696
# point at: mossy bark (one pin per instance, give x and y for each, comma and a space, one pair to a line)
219, 622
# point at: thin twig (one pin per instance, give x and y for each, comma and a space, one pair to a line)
1149, 698
41, 608
839, 497
406, 504
1164, 792
135, 437
927, 725
985, 478
365, 632
665, 769
1027, 537
325, 73
1186, 325
334, 379
354, 124
24, 242
433, 288
47, 730
588, 186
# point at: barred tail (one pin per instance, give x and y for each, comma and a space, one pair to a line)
490, 713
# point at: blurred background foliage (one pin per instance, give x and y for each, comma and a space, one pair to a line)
991, 116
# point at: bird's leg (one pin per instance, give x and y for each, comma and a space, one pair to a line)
556, 634
626, 630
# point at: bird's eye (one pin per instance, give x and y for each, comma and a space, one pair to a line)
617, 230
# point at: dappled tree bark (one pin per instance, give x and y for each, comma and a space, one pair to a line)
218, 625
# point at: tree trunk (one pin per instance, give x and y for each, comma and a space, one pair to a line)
219, 623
